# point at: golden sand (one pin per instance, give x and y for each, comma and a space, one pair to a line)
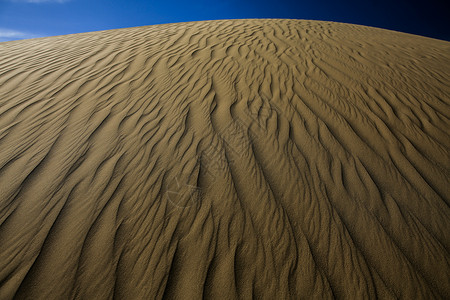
263, 159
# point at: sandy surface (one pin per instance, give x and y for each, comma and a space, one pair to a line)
226, 159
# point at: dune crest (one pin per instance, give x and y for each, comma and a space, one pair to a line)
263, 159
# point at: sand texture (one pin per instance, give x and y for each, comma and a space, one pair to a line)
235, 159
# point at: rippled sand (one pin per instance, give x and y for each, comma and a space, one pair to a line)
263, 159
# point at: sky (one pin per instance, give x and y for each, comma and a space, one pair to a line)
21, 19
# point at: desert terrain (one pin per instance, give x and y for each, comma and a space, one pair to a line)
233, 159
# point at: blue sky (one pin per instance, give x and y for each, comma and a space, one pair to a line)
37, 18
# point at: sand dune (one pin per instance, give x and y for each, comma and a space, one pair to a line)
263, 159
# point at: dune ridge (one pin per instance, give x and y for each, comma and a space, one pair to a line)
229, 159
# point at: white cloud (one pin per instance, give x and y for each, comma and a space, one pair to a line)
10, 35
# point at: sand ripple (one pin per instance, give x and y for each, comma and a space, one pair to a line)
263, 159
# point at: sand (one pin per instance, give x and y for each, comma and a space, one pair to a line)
264, 159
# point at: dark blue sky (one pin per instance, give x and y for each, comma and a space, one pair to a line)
36, 18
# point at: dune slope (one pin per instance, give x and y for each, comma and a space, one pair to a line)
226, 159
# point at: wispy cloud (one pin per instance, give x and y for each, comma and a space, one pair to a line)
40, 1
11, 35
